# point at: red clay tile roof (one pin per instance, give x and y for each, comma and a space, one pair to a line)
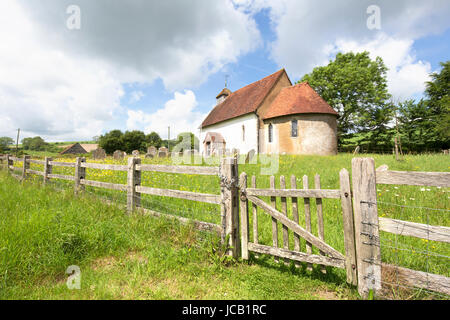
300, 98
243, 101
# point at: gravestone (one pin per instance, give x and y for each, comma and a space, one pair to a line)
250, 156
118, 155
163, 152
99, 154
152, 151
136, 153
149, 156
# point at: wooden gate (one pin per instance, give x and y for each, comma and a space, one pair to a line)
328, 256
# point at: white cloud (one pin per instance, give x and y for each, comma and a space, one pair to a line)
406, 75
67, 84
179, 113
309, 32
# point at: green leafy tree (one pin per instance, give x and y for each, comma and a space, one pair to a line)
112, 141
5, 142
34, 144
438, 93
416, 125
356, 87
134, 140
153, 139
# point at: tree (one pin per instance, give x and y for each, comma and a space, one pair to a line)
438, 93
134, 140
356, 87
34, 144
153, 139
111, 141
5, 142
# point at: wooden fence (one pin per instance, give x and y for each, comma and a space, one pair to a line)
328, 256
368, 224
361, 223
227, 171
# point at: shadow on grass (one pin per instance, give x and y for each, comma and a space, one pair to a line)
268, 261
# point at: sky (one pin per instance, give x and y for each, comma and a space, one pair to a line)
74, 69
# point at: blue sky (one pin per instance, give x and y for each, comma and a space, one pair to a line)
149, 65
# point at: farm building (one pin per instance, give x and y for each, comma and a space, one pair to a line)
75, 148
271, 116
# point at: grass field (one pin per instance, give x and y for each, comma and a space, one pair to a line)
399, 202
44, 231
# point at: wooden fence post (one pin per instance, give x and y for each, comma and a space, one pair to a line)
366, 226
349, 229
47, 169
25, 167
244, 216
133, 180
230, 204
80, 173
8, 162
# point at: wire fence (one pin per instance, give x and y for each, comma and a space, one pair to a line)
420, 254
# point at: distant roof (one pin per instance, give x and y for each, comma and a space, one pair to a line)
214, 137
243, 101
301, 98
89, 147
74, 148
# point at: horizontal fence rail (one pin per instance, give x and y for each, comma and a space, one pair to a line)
211, 171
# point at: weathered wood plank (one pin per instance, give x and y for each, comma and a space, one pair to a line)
244, 218
413, 229
100, 166
63, 164
105, 185
47, 169
210, 171
414, 278
80, 174
307, 218
299, 193
366, 226
255, 215
413, 178
41, 162
15, 168
60, 176
319, 211
284, 211
15, 159
349, 229
133, 181
39, 173
273, 201
25, 167
199, 225
295, 213
296, 256
187, 195
230, 204
296, 228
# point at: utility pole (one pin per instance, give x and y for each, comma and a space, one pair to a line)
17, 142
168, 139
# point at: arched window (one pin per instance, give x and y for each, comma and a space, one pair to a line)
270, 132
294, 128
